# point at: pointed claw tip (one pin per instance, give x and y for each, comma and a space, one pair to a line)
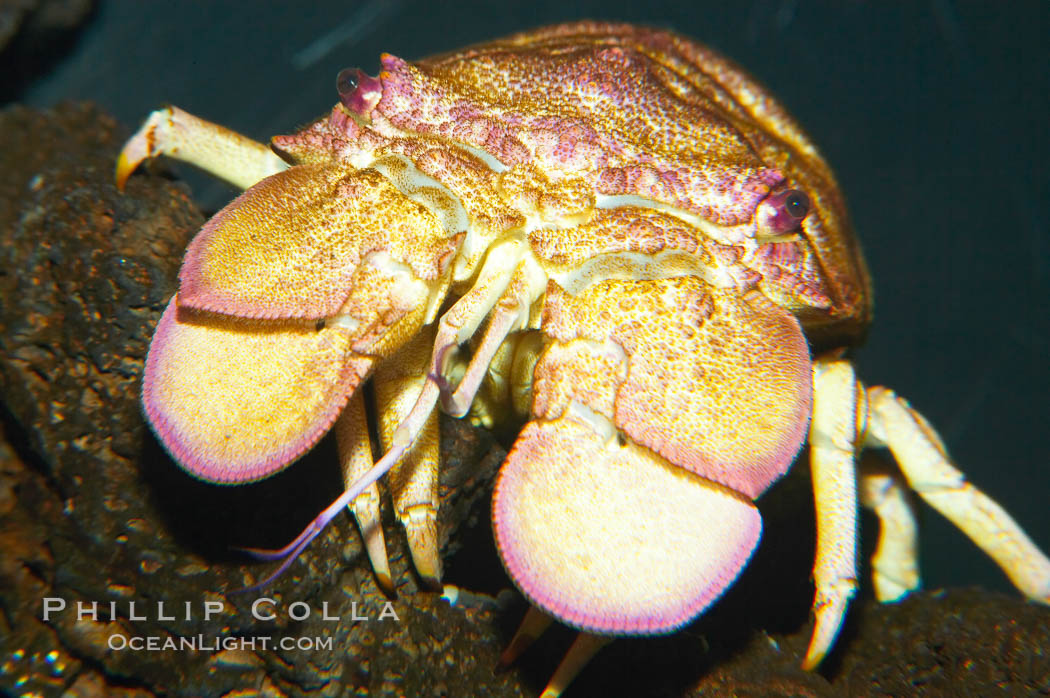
125, 167
428, 566
386, 585
131, 156
812, 660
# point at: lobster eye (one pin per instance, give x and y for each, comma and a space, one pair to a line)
358, 91
346, 82
783, 212
796, 204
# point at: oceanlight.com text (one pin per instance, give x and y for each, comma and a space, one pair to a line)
215, 643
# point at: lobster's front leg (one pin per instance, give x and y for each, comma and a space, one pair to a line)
217, 150
413, 480
355, 458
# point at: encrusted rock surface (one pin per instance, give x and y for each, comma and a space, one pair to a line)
92, 510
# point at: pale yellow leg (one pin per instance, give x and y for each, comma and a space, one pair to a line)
217, 150
925, 463
413, 481
838, 407
895, 563
527, 349
510, 313
462, 320
492, 402
581, 652
355, 459
583, 648
502, 265
532, 626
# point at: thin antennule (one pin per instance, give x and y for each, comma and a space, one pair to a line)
291, 551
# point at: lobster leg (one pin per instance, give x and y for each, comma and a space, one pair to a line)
355, 458
924, 461
217, 150
413, 480
583, 648
510, 313
895, 563
532, 626
838, 404
843, 409
456, 326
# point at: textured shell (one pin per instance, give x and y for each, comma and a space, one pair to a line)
574, 112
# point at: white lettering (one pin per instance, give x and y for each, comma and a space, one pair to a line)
212, 607
303, 615
53, 604
388, 612
93, 613
257, 614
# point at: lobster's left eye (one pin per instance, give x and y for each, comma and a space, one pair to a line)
358, 91
783, 211
346, 82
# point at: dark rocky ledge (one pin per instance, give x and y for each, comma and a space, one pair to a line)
92, 510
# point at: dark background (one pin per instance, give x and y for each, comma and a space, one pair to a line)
934, 114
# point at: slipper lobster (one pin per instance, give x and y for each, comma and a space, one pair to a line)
607, 230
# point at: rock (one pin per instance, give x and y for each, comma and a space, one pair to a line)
960, 642
92, 511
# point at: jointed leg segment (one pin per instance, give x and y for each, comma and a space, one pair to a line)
847, 417
838, 406
217, 150
413, 481
895, 563
355, 458
925, 463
